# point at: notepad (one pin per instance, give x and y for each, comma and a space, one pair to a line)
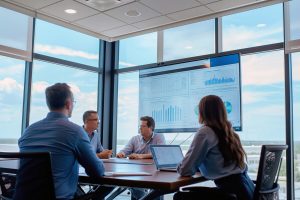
127, 174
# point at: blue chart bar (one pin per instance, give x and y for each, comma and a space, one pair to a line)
167, 114
214, 81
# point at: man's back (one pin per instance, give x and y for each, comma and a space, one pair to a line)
68, 144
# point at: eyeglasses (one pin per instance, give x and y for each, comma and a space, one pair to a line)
74, 102
94, 120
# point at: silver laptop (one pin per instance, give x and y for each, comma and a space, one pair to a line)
166, 157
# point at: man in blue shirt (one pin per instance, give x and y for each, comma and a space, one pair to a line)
91, 123
67, 142
138, 147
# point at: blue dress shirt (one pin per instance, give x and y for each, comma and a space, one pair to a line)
69, 145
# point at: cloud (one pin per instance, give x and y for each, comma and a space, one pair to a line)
270, 111
253, 97
84, 101
10, 85
246, 37
263, 69
12, 70
39, 86
58, 50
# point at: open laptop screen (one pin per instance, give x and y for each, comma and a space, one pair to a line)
166, 156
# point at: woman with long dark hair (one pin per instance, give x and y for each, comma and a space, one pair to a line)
217, 152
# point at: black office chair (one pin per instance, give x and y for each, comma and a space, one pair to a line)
266, 186
31, 175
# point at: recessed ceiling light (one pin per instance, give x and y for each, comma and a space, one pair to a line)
71, 11
261, 25
133, 13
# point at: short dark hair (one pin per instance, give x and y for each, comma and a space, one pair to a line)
86, 114
150, 121
57, 95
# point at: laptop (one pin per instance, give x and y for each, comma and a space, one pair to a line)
166, 157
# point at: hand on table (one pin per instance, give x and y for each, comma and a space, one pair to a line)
135, 156
120, 155
105, 154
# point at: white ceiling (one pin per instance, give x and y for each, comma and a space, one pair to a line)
107, 19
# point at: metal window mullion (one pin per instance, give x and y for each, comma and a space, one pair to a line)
100, 84
114, 95
160, 46
290, 184
27, 86
218, 35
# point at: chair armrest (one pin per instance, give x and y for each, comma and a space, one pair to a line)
274, 189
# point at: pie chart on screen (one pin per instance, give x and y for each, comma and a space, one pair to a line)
196, 110
228, 106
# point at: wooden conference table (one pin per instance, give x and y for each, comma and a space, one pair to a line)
160, 182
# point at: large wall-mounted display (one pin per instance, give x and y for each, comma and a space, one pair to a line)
171, 94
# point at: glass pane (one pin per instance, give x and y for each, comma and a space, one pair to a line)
294, 19
253, 28
63, 43
14, 29
292, 25
189, 40
11, 99
139, 50
128, 104
296, 116
263, 107
84, 86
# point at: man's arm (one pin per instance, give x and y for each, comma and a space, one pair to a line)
140, 156
128, 149
87, 157
105, 154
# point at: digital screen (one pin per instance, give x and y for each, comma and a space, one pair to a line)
171, 94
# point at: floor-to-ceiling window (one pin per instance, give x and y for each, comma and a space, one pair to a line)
263, 107
11, 99
262, 75
296, 116
83, 85
189, 40
61, 45
256, 27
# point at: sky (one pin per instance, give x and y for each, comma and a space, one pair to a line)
262, 74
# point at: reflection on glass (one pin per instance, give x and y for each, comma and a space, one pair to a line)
263, 106
11, 99
83, 85
63, 43
128, 104
296, 116
139, 50
253, 28
14, 29
189, 40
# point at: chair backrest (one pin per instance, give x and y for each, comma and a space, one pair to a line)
269, 164
33, 175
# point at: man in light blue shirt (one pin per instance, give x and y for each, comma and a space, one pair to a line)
67, 142
138, 146
91, 122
